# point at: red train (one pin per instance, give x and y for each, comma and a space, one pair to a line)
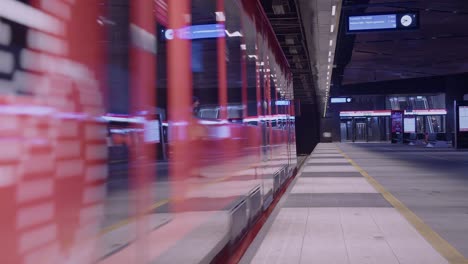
109, 158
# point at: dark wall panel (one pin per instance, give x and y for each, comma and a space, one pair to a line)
307, 129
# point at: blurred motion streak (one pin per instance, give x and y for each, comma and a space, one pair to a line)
54, 164
139, 131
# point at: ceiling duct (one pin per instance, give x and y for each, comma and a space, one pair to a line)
286, 22
278, 7
289, 40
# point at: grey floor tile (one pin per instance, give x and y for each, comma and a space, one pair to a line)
300, 200
331, 174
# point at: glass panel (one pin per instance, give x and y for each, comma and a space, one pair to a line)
361, 130
123, 132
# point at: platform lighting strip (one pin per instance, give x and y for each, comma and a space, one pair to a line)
327, 88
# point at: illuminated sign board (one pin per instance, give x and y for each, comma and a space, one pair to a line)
340, 100
426, 112
397, 121
365, 113
372, 22
197, 32
463, 119
370, 113
152, 133
282, 103
410, 124
382, 22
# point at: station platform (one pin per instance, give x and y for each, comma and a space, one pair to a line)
370, 203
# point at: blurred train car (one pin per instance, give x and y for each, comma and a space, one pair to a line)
138, 186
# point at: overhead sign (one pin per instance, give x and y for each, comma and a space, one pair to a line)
282, 102
370, 113
382, 22
372, 22
340, 100
197, 32
420, 112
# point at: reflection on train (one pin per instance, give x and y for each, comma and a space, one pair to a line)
106, 161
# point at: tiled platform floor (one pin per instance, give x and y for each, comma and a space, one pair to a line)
333, 215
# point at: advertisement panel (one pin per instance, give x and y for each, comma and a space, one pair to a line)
463, 119
397, 121
410, 124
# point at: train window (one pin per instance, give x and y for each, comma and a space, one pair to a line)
234, 41
250, 56
208, 113
235, 112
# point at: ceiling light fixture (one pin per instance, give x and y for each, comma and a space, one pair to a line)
332, 28
220, 17
333, 10
331, 42
234, 34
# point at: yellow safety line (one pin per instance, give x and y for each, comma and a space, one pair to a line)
438, 243
131, 219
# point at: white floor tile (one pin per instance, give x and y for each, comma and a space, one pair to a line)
324, 241
284, 240
407, 244
332, 185
365, 242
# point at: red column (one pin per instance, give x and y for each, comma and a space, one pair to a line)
244, 78
179, 99
142, 98
257, 72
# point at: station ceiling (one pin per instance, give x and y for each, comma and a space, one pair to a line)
285, 19
307, 32
438, 48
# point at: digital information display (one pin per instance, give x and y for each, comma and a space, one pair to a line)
197, 32
463, 118
372, 22
382, 22
340, 100
282, 103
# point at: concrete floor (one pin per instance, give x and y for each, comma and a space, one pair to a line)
334, 215
433, 183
